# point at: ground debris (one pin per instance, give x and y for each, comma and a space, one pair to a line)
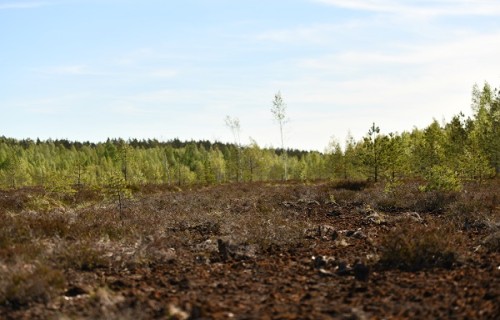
246, 251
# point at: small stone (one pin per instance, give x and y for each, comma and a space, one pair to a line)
327, 232
343, 269
342, 243
334, 214
492, 242
175, 312
325, 272
361, 271
321, 261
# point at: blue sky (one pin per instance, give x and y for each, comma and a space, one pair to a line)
93, 69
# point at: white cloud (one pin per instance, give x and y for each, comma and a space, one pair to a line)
49, 105
318, 33
162, 73
397, 89
462, 54
416, 8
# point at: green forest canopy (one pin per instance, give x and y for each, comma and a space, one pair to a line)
443, 154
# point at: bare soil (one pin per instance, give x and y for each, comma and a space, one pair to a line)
267, 251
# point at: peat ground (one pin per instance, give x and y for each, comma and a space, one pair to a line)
345, 250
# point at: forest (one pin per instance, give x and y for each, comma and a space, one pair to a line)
443, 154
393, 226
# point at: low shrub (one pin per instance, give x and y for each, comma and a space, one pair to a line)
353, 185
26, 283
413, 247
81, 256
407, 196
270, 230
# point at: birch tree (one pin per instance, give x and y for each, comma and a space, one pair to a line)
234, 125
279, 113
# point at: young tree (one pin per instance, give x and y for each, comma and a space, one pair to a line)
486, 107
351, 157
394, 155
334, 159
279, 112
124, 156
116, 189
234, 125
253, 161
373, 145
79, 167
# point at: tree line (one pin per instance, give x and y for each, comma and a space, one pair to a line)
444, 154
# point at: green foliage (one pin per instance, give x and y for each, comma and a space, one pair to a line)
59, 185
464, 148
441, 178
117, 190
373, 151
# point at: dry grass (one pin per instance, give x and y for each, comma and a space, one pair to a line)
22, 283
41, 238
410, 246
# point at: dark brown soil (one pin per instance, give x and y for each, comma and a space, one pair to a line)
209, 262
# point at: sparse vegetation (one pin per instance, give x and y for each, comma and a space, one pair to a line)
175, 242
413, 247
131, 229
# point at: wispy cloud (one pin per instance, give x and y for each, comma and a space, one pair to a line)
70, 70
162, 73
473, 49
415, 7
49, 105
317, 34
24, 5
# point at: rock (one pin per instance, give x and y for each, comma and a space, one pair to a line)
228, 249
343, 269
322, 261
325, 273
342, 243
492, 242
327, 232
177, 313
361, 271
358, 234
334, 213
376, 218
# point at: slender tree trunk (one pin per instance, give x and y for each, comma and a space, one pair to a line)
285, 160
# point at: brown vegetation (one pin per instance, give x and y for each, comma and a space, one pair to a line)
347, 249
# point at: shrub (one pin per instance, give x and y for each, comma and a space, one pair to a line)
270, 230
353, 185
23, 284
81, 256
413, 247
441, 178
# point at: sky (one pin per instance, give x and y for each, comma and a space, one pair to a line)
89, 70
